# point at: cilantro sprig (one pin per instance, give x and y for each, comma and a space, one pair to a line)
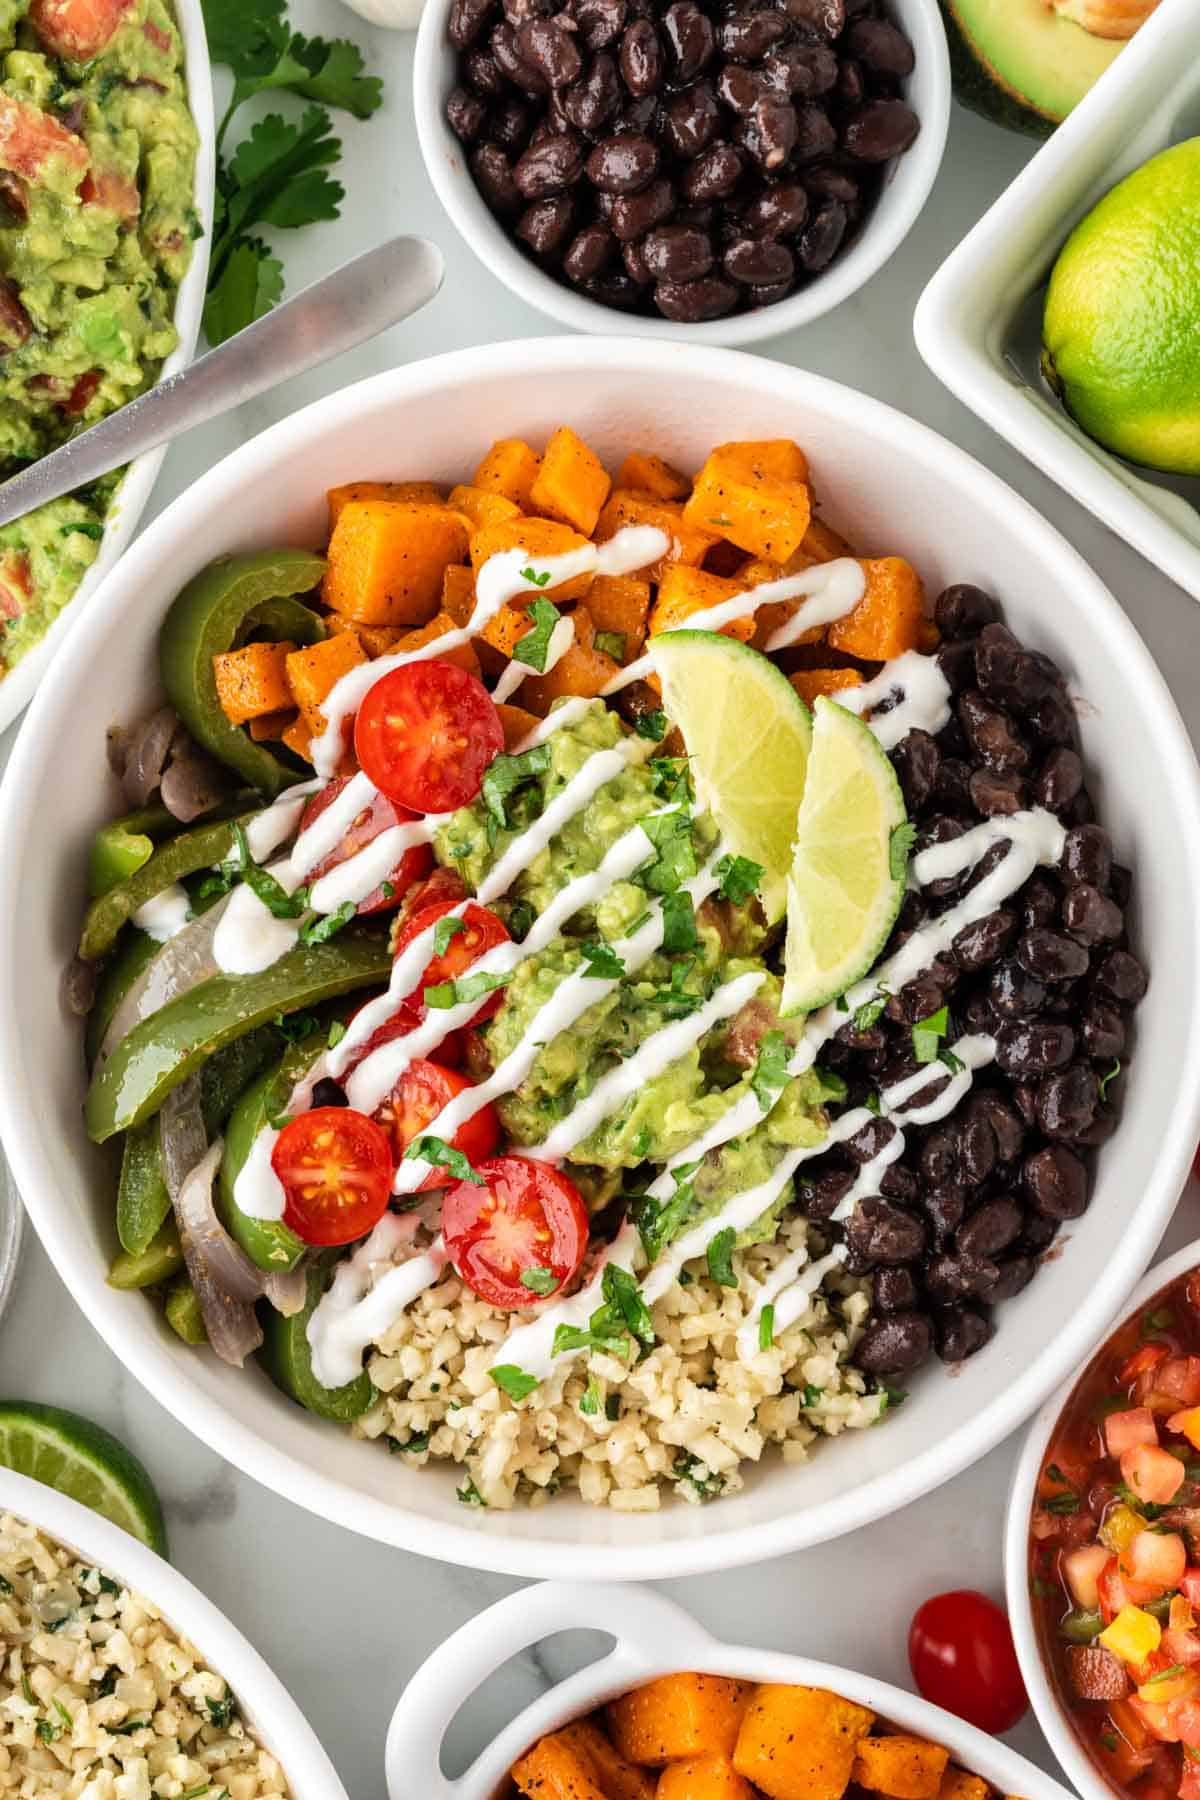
534, 647
441, 1155
770, 1075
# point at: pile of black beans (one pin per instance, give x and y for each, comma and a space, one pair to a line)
692, 160
967, 1213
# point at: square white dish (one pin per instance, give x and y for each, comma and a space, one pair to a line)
977, 323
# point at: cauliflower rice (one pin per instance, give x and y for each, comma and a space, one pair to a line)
688, 1415
101, 1700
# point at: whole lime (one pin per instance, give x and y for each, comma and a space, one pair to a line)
1121, 329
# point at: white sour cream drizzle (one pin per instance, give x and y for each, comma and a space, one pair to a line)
923, 698
369, 1291
257, 1189
165, 914
788, 1288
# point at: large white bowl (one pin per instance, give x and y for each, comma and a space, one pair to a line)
651, 1637
17, 689
903, 196
266, 1705
1052, 1715
891, 485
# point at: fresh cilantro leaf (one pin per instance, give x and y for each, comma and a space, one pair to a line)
49, 1733
319, 931
766, 1327
671, 778
536, 579
520, 919
467, 987
89, 528
927, 1035
739, 878
873, 1104
589, 1400
833, 1087
214, 884
388, 889
236, 28
679, 923
278, 902
514, 1382
624, 1297
894, 1397
221, 1712
659, 1221
652, 725
1109, 1076
954, 1063
677, 1001
720, 1254
413, 1444
506, 775
539, 1281
469, 1495
603, 961
445, 929
675, 861
812, 1394
770, 1075
871, 1011
611, 643
441, 1155
130, 1725
689, 1471
900, 845
295, 1026
248, 286
337, 1032
533, 648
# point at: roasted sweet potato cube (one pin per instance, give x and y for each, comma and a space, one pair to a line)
538, 538
439, 626
583, 671
509, 468
315, 670
482, 506
683, 591
799, 1743
649, 474
958, 1785
376, 640
904, 1767
808, 683
621, 603
688, 543
458, 592
270, 727
619, 1779
557, 1769
517, 723
252, 681
386, 560
822, 543
298, 738
888, 620
781, 458
677, 1716
736, 497
424, 492
572, 483
754, 572
703, 1778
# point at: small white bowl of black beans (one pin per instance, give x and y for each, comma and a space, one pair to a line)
724, 169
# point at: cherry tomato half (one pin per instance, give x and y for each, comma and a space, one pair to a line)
524, 1218
414, 1103
378, 817
406, 1018
336, 1167
960, 1650
481, 932
425, 734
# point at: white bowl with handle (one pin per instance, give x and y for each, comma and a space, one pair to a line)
652, 1636
265, 1704
890, 485
18, 688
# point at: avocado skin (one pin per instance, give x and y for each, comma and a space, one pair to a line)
976, 86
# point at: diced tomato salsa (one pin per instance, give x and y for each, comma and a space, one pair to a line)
1114, 1556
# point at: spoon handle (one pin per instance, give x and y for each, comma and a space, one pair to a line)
355, 303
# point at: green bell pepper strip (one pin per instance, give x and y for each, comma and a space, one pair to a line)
267, 1242
174, 1041
183, 1312
201, 848
287, 1357
115, 855
158, 1262
119, 975
218, 610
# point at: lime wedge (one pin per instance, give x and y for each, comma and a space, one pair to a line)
85, 1462
842, 898
748, 733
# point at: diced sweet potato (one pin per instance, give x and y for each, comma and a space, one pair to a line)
703, 1778
314, 671
387, 559
799, 1743
735, 496
482, 506
906, 1768
556, 1769
517, 723
572, 483
822, 543
958, 1785
683, 591
621, 603
440, 624
424, 492
298, 738
538, 538
252, 681
505, 629
619, 1779
649, 474
509, 468
376, 640
780, 458
888, 619
583, 670
677, 1716
768, 618
272, 726
808, 683
458, 592
689, 544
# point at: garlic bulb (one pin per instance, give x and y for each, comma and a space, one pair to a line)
398, 15
1106, 18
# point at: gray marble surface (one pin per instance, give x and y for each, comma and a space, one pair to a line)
346, 1622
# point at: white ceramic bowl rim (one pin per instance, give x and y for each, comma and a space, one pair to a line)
1051, 1715
903, 198
17, 689
265, 1702
652, 1637
611, 1548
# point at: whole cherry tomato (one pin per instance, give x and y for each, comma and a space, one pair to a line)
960, 1650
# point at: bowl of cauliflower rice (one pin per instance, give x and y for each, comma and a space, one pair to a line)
105, 1692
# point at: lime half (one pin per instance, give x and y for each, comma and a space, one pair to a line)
842, 897
85, 1462
748, 733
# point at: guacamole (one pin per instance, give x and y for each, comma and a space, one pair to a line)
674, 1107
97, 171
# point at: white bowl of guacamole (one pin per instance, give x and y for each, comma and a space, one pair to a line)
106, 188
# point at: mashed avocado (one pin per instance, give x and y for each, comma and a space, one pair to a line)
97, 165
676, 1106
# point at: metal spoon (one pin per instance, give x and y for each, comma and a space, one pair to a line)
355, 303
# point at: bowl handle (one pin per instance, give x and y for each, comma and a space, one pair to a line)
651, 1633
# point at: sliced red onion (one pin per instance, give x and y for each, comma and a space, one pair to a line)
191, 784
287, 1289
146, 754
182, 963
225, 1281
79, 986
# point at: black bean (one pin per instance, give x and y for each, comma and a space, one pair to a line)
1038, 902
959, 1332
591, 103
691, 120
1052, 719
550, 49
1091, 915
878, 1232
916, 760
851, 88
689, 302
642, 58
1059, 779
758, 261
895, 1345
820, 1197
824, 17
978, 1149
815, 135
600, 22
1006, 1124
1015, 993
509, 126
979, 944
623, 163
821, 238
1067, 1101
691, 39
1122, 976
328, 1092
1087, 856
962, 610
633, 215
738, 87
1120, 884
779, 211
880, 46
506, 51
1007, 674
467, 19
677, 253
545, 224
483, 74
771, 131
952, 789
899, 1183
613, 287
828, 181
1102, 1031
869, 1140
635, 264
1050, 956
1015, 1274
994, 1226
804, 70
978, 1014
880, 130
713, 174
1056, 1182
1099, 1131
465, 114
494, 178
894, 1290
588, 252
916, 1000
991, 733
1024, 1095
1032, 1046
938, 1156
549, 167
960, 1277
517, 12
747, 36
944, 1207
996, 796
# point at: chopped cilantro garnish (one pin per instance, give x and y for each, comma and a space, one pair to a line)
413, 1445
469, 1495
739, 878
873, 1103
871, 1011
770, 1075
1109, 1075
589, 1400
690, 1472
602, 961
954, 1063
679, 923
319, 931
652, 725
675, 861
534, 647
506, 775
675, 1002
1062, 1504
766, 1327
514, 1382
337, 1032
927, 1035
900, 845
621, 1292
811, 1394
441, 1155
539, 1281
720, 1257
536, 578
467, 987
672, 778
295, 1026
444, 930
220, 1712
278, 902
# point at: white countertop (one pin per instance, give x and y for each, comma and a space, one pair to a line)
346, 1622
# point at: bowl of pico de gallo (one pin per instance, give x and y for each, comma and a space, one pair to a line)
600, 957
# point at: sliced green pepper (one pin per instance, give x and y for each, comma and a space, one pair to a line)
267, 1242
201, 848
137, 949
1081, 1627
219, 609
165, 1048
183, 1312
158, 1262
287, 1358
115, 855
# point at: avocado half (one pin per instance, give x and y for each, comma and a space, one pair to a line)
1020, 63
